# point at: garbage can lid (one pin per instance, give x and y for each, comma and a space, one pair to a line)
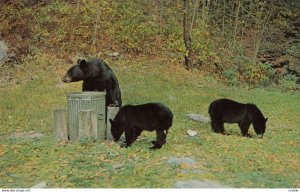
85, 94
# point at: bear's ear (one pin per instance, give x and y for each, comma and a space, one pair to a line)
78, 61
83, 63
111, 121
266, 119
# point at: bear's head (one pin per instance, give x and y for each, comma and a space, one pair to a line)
117, 128
260, 127
81, 71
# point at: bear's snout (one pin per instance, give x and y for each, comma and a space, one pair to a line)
67, 79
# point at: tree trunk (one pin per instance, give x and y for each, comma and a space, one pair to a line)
236, 21
187, 36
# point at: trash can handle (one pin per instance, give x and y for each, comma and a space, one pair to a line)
100, 116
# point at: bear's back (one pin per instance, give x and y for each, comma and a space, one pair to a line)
255, 113
225, 106
146, 112
152, 109
101, 65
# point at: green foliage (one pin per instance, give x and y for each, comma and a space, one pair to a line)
202, 45
176, 44
221, 31
287, 83
133, 28
294, 49
260, 74
231, 76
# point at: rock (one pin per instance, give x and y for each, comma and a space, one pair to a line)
198, 117
197, 184
114, 54
3, 54
174, 161
40, 185
191, 133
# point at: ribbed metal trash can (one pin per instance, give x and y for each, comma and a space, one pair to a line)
85, 101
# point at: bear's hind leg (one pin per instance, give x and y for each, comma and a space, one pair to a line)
160, 139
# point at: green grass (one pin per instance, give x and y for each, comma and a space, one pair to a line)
230, 160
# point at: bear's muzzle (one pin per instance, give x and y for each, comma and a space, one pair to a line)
67, 79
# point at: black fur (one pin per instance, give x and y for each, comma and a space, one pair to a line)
134, 119
228, 111
96, 76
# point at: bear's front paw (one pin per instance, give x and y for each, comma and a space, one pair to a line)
154, 142
156, 147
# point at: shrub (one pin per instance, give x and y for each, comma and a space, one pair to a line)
231, 76
258, 75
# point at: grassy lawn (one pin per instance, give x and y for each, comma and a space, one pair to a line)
230, 160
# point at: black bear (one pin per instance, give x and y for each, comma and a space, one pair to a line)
133, 119
96, 76
228, 111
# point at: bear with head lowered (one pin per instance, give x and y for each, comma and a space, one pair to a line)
228, 111
133, 119
96, 76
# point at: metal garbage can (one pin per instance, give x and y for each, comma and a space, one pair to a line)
85, 101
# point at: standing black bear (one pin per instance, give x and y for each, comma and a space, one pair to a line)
96, 76
134, 119
227, 111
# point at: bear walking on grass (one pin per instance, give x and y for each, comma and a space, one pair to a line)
134, 119
96, 76
228, 111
